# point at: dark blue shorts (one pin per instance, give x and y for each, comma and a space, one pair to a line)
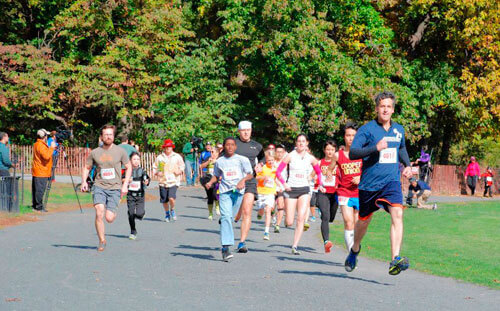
372, 201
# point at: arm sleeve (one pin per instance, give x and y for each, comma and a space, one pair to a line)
280, 169
5, 158
124, 157
261, 157
317, 169
46, 153
403, 157
182, 166
247, 167
217, 170
358, 151
186, 149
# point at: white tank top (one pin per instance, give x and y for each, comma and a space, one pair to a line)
299, 170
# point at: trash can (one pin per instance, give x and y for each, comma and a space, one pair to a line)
9, 190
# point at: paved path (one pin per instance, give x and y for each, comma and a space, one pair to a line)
53, 265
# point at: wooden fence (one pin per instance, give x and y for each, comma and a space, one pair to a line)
445, 179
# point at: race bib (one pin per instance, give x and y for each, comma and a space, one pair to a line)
299, 175
330, 182
108, 173
231, 174
211, 170
134, 186
388, 156
414, 170
170, 178
269, 183
343, 201
489, 179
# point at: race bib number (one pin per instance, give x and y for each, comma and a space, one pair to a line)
269, 183
170, 178
231, 174
299, 176
329, 181
388, 156
134, 186
108, 173
489, 179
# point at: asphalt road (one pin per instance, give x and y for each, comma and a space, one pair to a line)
53, 265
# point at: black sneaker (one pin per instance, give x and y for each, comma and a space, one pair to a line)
398, 264
226, 254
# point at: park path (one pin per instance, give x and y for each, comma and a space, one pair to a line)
53, 265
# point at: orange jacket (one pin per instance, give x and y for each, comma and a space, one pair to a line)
42, 159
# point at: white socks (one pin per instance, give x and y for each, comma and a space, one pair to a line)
349, 238
266, 230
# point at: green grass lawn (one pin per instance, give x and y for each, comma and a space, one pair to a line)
60, 194
459, 240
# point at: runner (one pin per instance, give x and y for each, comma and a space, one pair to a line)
135, 197
266, 188
297, 185
234, 171
254, 152
327, 196
381, 145
348, 181
169, 167
208, 171
488, 181
107, 194
280, 199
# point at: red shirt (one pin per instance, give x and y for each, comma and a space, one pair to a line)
488, 176
328, 176
347, 170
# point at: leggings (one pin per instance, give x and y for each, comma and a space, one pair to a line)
211, 194
328, 204
136, 210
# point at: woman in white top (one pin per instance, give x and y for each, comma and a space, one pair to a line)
296, 186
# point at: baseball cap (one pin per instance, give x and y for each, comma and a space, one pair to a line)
413, 179
42, 133
244, 125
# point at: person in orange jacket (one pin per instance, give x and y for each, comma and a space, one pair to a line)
488, 181
41, 169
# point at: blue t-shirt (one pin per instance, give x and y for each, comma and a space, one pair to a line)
231, 170
205, 155
49, 141
379, 168
421, 185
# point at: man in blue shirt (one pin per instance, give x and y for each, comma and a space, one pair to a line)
5, 162
381, 145
204, 156
420, 190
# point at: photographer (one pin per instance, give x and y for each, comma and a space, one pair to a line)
42, 168
5, 162
190, 150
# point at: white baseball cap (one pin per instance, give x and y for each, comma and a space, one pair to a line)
244, 125
42, 133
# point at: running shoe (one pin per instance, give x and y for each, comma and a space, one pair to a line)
167, 216
173, 216
217, 211
102, 246
295, 251
351, 260
398, 264
306, 226
266, 236
276, 229
242, 247
313, 219
226, 254
132, 236
328, 246
210, 217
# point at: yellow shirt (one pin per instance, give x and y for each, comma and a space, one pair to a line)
267, 185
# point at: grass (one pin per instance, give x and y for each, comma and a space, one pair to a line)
60, 194
460, 240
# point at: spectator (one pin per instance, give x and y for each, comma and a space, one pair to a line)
189, 152
488, 181
205, 155
53, 138
42, 168
420, 190
5, 162
133, 144
424, 165
219, 148
126, 146
472, 174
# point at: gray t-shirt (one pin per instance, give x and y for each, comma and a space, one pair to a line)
109, 166
232, 170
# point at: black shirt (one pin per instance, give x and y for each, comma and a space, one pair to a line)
138, 176
251, 149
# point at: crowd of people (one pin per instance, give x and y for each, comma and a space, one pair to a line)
361, 177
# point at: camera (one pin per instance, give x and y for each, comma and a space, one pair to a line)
63, 134
197, 142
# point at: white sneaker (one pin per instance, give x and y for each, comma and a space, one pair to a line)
210, 217
132, 236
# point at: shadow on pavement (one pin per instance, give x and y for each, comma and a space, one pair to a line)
195, 197
75, 246
153, 219
200, 248
300, 248
203, 230
317, 261
191, 216
197, 256
196, 207
335, 275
